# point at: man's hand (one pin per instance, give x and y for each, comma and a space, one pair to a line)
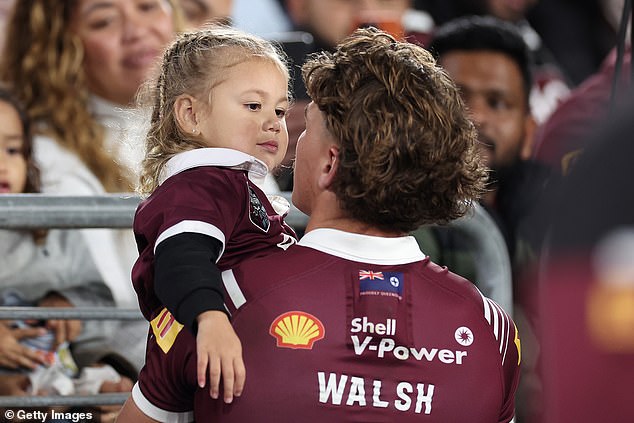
220, 350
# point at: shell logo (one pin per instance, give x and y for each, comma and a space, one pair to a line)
297, 330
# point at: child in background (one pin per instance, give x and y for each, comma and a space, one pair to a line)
49, 269
218, 125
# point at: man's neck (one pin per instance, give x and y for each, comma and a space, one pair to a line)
328, 214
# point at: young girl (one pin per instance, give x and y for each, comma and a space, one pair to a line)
50, 269
218, 124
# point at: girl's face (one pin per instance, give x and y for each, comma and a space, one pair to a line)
12, 161
248, 112
122, 40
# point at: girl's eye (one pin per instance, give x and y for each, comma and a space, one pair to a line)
280, 113
254, 106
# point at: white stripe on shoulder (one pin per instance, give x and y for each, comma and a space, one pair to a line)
503, 322
194, 226
487, 310
233, 289
506, 331
157, 413
500, 322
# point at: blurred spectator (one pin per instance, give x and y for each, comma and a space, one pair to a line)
579, 33
199, 12
445, 10
587, 282
559, 141
329, 21
575, 32
49, 269
490, 62
550, 83
76, 65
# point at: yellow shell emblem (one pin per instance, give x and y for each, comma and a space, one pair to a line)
297, 330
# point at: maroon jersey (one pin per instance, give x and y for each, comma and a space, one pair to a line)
346, 327
206, 191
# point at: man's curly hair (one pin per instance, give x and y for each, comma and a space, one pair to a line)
407, 149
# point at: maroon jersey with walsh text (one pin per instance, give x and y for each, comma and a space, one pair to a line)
206, 191
353, 328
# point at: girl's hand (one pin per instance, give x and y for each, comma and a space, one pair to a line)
14, 355
219, 348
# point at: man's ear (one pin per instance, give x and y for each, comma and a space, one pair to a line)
329, 168
185, 113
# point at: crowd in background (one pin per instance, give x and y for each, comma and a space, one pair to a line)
76, 66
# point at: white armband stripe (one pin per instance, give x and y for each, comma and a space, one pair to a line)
193, 226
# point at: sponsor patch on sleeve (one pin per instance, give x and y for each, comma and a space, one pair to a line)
165, 328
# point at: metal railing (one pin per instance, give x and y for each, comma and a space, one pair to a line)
27, 211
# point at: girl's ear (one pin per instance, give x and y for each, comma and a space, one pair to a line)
185, 113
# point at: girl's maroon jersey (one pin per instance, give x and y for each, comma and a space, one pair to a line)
346, 327
206, 191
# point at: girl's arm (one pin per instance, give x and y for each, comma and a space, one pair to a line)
188, 282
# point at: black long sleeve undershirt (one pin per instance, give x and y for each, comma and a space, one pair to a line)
186, 278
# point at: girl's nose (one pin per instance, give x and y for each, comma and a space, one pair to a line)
273, 124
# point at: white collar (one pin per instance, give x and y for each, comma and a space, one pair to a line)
364, 248
219, 157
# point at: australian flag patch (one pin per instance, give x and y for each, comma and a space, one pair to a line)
257, 212
388, 284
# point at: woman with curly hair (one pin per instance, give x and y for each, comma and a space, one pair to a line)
77, 65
